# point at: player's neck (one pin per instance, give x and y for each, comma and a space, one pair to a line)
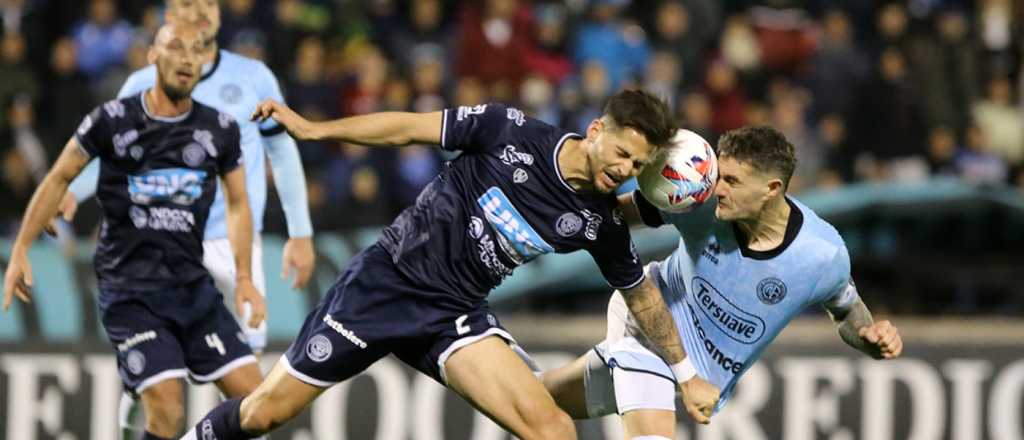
573, 165
768, 231
159, 104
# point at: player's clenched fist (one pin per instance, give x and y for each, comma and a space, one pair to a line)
885, 337
297, 126
699, 398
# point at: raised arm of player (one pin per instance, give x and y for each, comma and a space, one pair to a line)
375, 129
239, 224
880, 340
41, 208
652, 315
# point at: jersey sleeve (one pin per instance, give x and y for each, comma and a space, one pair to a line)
834, 289
230, 156
267, 87
616, 257
93, 134
475, 129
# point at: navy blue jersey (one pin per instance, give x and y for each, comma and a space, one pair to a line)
158, 177
500, 204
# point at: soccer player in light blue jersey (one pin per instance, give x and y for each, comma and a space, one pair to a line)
748, 262
234, 85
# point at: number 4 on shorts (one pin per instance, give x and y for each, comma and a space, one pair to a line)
214, 342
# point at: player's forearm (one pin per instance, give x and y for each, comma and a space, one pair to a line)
652, 315
240, 236
381, 129
849, 325
290, 181
41, 208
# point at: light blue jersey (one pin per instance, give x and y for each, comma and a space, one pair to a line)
730, 302
234, 85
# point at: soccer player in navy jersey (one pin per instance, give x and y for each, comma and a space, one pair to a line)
160, 154
520, 188
749, 261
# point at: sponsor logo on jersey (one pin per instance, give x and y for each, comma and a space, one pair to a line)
736, 323
159, 218
193, 155
476, 227
520, 176
224, 119
489, 257
711, 252
568, 224
207, 429
319, 348
516, 115
771, 290
123, 140
725, 361
346, 333
136, 362
182, 186
231, 93
506, 220
114, 109
593, 223
512, 157
465, 111
136, 339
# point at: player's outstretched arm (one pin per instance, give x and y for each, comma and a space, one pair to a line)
375, 129
652, 315
240, 235
41, 208
880, 340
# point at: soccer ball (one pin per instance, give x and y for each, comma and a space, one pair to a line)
682, 176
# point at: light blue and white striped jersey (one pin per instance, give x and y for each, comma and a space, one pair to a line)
234, 85
730, 302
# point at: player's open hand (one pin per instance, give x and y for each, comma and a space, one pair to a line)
247, 297
66, 210
699, 398
300, 259
18, 279
297, 126
885, 337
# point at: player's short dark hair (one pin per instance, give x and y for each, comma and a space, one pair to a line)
764, 148
644, 113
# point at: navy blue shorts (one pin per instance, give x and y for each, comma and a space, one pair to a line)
172, 333
373, 311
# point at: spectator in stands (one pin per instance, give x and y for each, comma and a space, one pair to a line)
840, 157
886, 120
423, 25
493, 41
64, 99
547, 56
617, 44
1000, 120
21, 134
942, 152
838, 67
102, 39
697, 116
728, 102
308, 93
16, 76
946, 66
428, 78
662, 77
364, 92
977, 162
687, 29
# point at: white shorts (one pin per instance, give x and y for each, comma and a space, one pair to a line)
622, 374
219, 260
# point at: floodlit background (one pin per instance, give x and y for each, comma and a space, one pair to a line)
908, 123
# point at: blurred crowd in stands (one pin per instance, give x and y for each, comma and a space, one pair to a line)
867, 90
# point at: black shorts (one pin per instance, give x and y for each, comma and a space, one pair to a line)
173, 333
373, 311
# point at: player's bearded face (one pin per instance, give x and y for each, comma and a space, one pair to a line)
619, 154
179, 63
742, 191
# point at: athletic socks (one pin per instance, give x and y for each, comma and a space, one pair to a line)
223, 422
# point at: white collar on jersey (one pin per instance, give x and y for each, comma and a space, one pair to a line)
558, 171
179, 118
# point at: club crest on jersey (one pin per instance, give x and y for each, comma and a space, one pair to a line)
182, 186
520, 176
193, 155
512, 157
319, 348
568, 224
771, 290
231, 93
525, 243
136, 362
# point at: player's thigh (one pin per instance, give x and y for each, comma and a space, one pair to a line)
164, 406
279, 398
566, 386
496, 381
649, 422
241, 381
147, 351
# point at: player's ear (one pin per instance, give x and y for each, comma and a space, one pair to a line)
151, 55
776, 188
595, 126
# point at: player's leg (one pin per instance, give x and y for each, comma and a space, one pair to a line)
498, 383
219, 260
566, 386
163, 404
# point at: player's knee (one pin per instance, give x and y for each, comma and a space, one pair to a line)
165, 413
553, 424
259, 414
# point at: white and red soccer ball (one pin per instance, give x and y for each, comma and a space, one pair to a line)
682, 176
